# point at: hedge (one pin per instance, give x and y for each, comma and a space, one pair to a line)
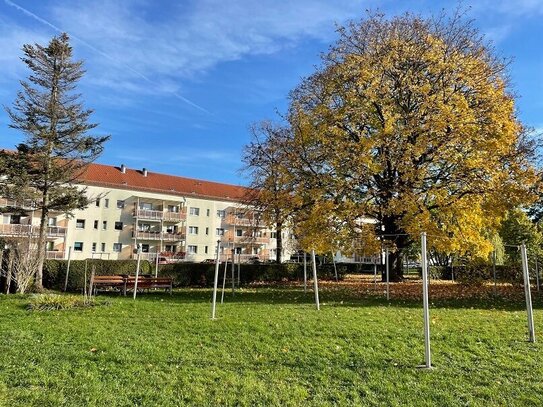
54, 271
200, 274
184, 274
473, 274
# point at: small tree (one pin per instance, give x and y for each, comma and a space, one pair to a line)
57, 147
271, 183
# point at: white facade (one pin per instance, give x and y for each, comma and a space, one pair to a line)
173, 227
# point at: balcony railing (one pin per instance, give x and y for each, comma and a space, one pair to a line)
13, 203
243, 221
30, 230
54, 254
150, 235
244, 239
149, 214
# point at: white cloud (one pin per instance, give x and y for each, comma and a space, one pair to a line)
190, 40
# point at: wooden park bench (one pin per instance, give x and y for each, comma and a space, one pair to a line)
125, 282
148, 282
116, 282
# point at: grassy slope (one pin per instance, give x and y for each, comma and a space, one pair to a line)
268, 347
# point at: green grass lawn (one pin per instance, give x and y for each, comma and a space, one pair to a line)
269, 346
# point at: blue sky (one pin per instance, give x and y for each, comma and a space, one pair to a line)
177, 83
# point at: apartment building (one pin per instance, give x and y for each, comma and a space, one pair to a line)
172, 218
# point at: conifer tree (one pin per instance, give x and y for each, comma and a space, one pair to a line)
57, 146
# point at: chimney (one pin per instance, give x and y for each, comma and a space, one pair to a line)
123, 168
144, 172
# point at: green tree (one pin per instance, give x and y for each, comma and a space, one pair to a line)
57, 147
517, 228
410, 121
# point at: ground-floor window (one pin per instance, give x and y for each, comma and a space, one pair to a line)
192, 249
78, 246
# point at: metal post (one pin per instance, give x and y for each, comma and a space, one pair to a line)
305, 272
527, 293
224, 277
137, 271
215, 280
68, 268
85, 282
315, 283
427, 354
452, 268
156, 262
335, 268
91, 281
375, 272
233, 271
537, 273
239, 270
494, 272
387, 273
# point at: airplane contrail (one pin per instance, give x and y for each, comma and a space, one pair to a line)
92, 47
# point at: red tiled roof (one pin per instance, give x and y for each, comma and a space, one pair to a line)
112, 177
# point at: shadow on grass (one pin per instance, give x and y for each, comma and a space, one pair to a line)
330, 296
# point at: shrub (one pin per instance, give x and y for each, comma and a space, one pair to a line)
54, 271
52, 302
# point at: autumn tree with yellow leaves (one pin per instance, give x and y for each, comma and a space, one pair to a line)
410, 121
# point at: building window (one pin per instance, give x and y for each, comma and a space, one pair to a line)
80, 224
193, 230
273, 235
78, 246
93, 246
52, 221
173, 208
98, 202
207, 212
144, 227
104, 225
219, 232
221, 213
103, 247
205, 250
106, 203
146, 206
118, 226
120, 204
207, 231
192, 249
117, 247
145, 248
194, 211
239, 232
96, 224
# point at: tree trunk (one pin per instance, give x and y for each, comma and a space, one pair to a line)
395, 238
279, 248
38, 281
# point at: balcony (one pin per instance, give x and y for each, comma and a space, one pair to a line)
159, 215
244, 239
13, 203
246, 221
54, 254
30, 230
152, 235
